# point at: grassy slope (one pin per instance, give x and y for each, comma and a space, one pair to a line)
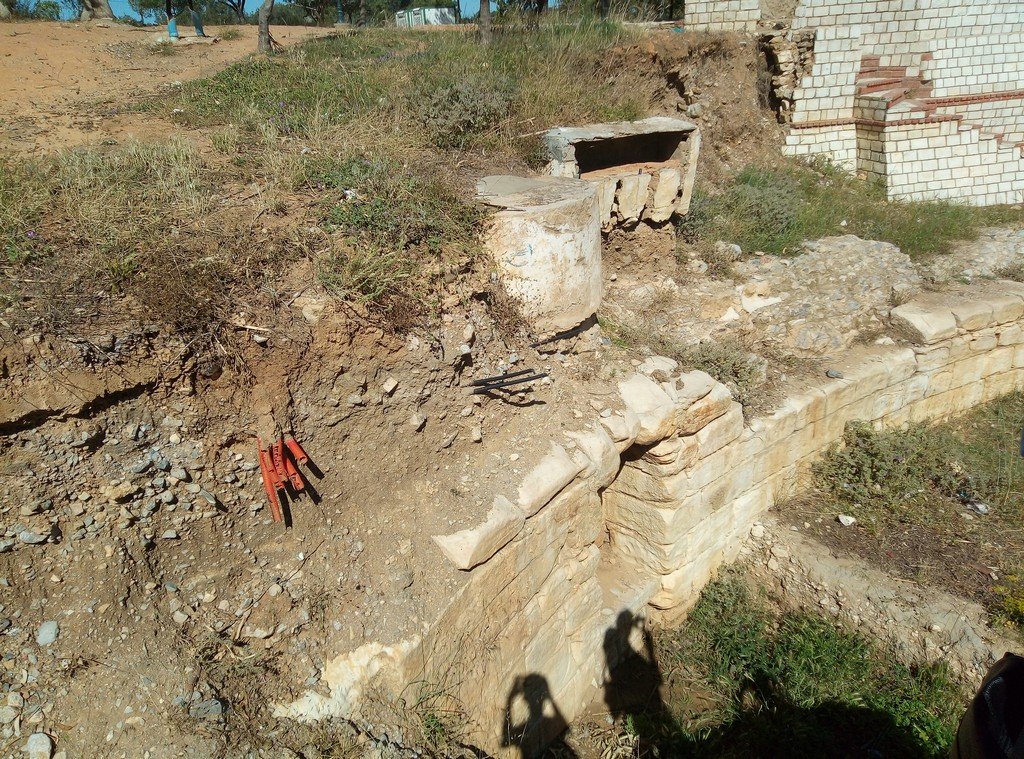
918, 480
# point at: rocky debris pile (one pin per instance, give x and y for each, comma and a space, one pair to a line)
995, 253
822, 300
790, 56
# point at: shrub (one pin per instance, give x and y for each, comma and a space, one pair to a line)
456, 112
729, 363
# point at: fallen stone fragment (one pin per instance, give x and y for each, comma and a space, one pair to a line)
417, 421
209, 709
846, 520
39, 746
31, 538
48, 632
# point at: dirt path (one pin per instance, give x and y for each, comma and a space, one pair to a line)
67, 83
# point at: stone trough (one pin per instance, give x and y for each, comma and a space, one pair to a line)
642, 170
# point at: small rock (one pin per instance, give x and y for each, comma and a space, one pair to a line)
7, 715
757, 531
979, 507
476, 434
833, 374
355, 399
39, 746
846, 520
694, 110
260, 339
210, 709
417, 421
389, 386
179, 617
274, 590
31, 538
179, 474
169, 535
48, 632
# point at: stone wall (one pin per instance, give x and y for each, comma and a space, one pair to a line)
631, 516
693, 479
890, 76
722, 15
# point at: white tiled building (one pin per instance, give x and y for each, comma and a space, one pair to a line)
925, 94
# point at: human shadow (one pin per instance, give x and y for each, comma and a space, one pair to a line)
762, 721
533, 722
633, 683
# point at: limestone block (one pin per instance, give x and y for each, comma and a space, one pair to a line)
983, 341
692, 386
652, 406
795, 412
631, 196
857, 382
545, 240
1018, 356
468, 548
722, 431
997, 385
556, 470
1011, 334
622, 429
972, 314
605, 188
932, 357
664, 190
667, 458
602, 462
656, 364
924, 324
1006, 308
690, 419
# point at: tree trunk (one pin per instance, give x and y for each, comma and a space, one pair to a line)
361, 16
485, 21
5, 12
240, 13
265, 45
96, 9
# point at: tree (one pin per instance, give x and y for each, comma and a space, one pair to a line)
235, 6
485, 21
265, 43
96, 9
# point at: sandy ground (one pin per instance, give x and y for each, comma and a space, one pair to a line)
63, 83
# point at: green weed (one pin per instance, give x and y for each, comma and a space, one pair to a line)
797, 684
775, 208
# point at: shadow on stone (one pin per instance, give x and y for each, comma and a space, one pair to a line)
533, 722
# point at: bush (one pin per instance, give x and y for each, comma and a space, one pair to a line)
729, 363
457, 112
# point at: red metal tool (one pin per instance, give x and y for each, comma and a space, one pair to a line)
277, 456
293, 473
269, 485
296, 450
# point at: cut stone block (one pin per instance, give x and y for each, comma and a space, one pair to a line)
925, 325
469, 548
556, 470
652, 405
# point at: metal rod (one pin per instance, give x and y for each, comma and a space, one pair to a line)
499, 377
508, 383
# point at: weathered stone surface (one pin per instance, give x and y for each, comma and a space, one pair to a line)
468, 548
652, 406
925, 325
556, 470
546, 243
622, 428
664, 189
631, 196
602, 457
972, 314
690, 419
